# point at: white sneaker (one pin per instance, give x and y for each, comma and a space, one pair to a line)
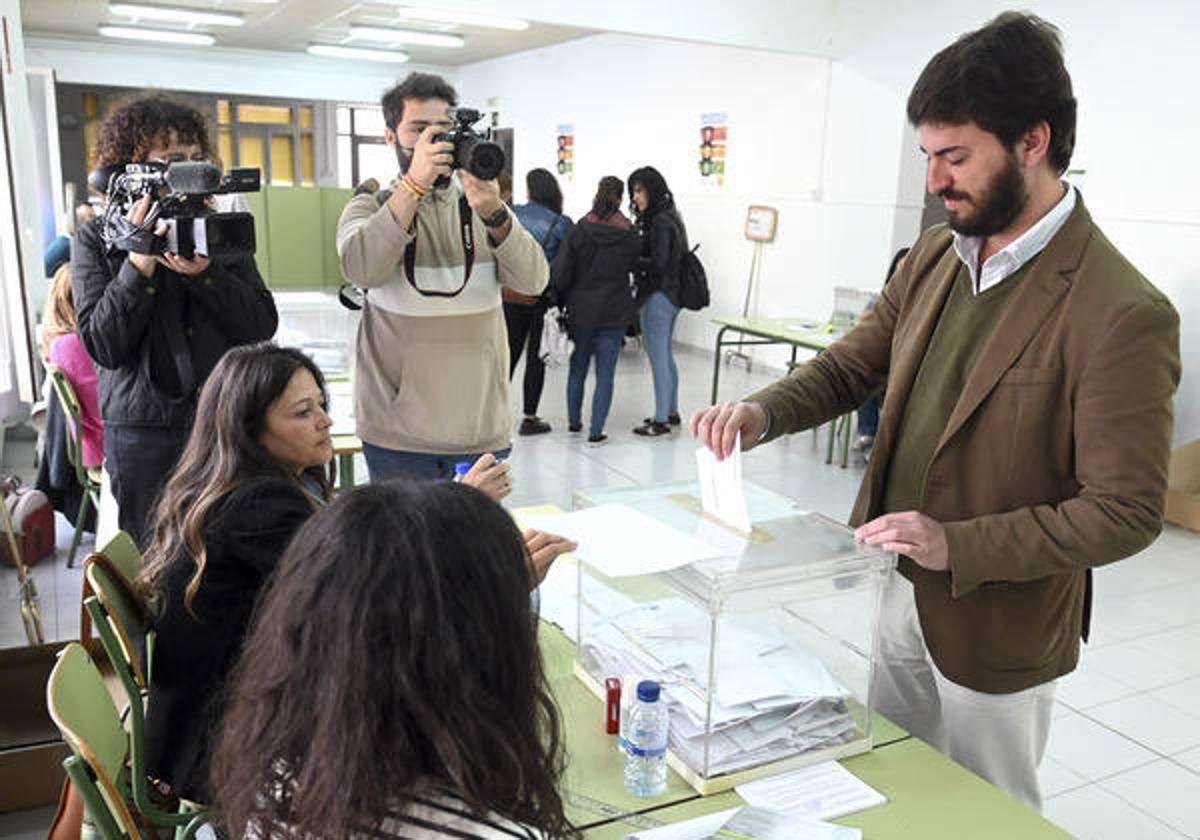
863, 443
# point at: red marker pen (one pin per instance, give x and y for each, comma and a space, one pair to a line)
612, 706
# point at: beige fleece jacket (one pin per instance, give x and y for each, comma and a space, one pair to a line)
432, 371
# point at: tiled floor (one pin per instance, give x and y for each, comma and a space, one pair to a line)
1124, 756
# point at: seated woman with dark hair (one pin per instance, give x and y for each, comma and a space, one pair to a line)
256, 466
392, 685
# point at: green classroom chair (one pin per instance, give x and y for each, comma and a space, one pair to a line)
88, 478
122, 619
84, 712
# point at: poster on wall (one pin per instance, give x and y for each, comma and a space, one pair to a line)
566, 151
714, 136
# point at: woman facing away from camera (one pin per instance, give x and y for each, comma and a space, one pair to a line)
392, 685
257, 465
61, 347
591, 278
543, 217
155, 325
664, 243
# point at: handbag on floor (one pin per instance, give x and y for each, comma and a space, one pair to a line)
556, 343
32, 520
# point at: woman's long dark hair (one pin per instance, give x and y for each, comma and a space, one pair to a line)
543, 189
657, 191
392, 656
608, 197
222, 450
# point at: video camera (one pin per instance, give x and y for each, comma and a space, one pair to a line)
181, 190
473, 151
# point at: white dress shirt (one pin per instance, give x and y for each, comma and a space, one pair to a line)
1005, 262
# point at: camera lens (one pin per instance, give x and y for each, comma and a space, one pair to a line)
485, 160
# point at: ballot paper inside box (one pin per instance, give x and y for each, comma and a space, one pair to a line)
764, 651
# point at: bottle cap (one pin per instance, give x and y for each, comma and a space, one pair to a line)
648, 691
461, 469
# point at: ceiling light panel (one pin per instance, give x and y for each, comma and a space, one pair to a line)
171, 14
131, 33
357, 53
464, 18
405, 36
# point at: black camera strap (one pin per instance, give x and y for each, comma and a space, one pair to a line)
468, 244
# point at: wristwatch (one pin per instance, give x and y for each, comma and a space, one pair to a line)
496, 219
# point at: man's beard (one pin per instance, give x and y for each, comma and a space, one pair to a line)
998, 205
403, 157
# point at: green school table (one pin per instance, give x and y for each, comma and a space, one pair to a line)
797, 332
929, 798
809, 333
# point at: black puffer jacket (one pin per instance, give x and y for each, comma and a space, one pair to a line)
664, 242
591, 275
155, 340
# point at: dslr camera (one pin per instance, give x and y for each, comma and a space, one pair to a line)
181, 193
473, 151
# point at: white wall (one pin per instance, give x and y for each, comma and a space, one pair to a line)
813, 138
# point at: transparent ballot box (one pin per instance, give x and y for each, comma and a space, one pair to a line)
764, 648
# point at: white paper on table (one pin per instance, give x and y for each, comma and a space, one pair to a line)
721, 493
762, 824
618, 541
559, 593
693, 829
751, 822
824, 791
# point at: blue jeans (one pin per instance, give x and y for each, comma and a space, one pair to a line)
605, 342
658, 326
384, 464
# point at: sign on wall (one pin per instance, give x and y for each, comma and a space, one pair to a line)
566, 151
714, 136
760, 223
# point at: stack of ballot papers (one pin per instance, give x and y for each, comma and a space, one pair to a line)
771, 699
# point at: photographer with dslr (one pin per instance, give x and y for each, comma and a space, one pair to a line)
433, 251
155, 323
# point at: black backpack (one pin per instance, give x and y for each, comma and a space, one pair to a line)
693, 281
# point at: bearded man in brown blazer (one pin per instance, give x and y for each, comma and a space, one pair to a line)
1026, 423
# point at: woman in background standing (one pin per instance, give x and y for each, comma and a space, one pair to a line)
591, 277
155, 324
664, 242
544, 219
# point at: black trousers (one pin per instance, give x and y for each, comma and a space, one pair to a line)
525, 334
139, 460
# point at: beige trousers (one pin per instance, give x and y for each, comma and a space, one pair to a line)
1001, 737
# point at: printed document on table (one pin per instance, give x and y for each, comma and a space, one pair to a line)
748, 823
721, 492
618, 541
823, 791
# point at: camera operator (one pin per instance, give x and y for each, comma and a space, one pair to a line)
431, 382
156, 324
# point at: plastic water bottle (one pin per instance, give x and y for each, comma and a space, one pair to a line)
461, 469
646, 752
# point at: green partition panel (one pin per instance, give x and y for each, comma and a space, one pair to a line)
262, 253
333, 201
295, 237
